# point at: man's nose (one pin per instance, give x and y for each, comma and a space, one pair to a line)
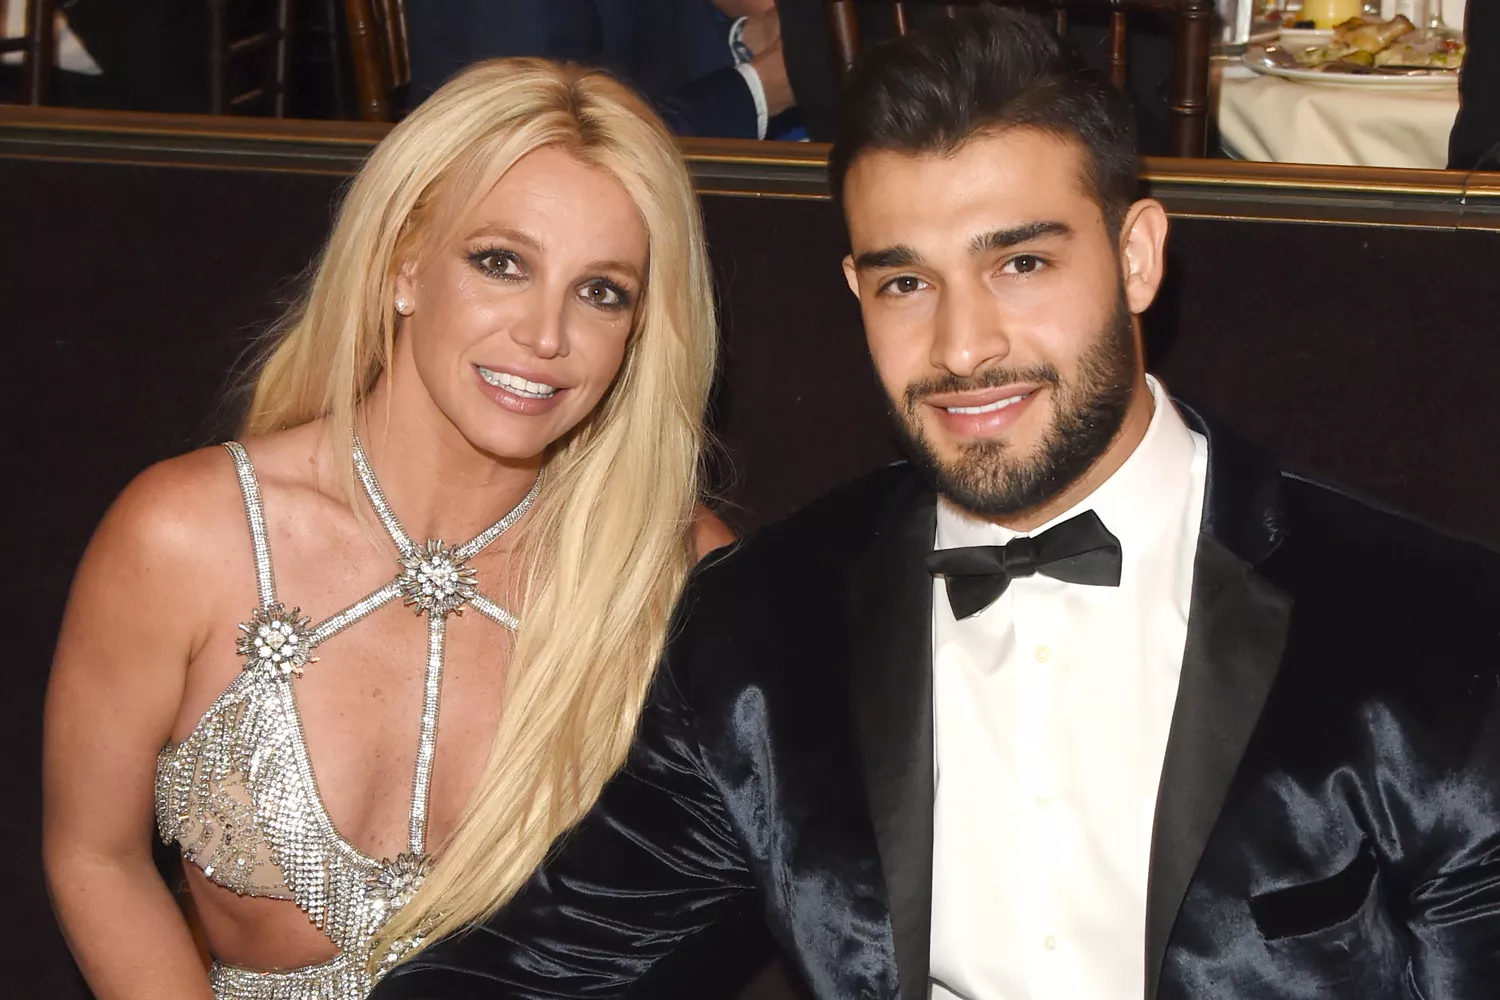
967, 334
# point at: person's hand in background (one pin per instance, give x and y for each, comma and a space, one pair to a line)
762, 36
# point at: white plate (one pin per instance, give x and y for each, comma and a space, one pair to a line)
1294, 37
1258, 59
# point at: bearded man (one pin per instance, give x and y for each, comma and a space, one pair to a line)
1089, 700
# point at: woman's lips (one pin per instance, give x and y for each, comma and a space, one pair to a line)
517, 398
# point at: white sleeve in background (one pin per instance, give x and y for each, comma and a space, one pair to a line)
758, 95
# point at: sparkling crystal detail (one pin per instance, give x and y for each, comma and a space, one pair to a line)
277, 640
398, 881
435, 581
238, 794
342, 978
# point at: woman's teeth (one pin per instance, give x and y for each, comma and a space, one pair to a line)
998, 404
516, 384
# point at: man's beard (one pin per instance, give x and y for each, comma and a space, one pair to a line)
1089, 410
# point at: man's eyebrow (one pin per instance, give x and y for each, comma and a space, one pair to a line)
896, 256
1002, 239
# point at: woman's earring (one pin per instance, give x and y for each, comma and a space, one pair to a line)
403, 306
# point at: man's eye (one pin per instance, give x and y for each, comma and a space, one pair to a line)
1024, 264
903, 285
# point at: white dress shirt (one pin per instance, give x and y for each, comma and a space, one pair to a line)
742, 56
1051, 711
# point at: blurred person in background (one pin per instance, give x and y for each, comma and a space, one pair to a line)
1475, 141
711, 68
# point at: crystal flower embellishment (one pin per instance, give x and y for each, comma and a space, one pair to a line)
277, 640
435, 581
398, 881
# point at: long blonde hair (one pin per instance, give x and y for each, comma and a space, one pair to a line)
607, 545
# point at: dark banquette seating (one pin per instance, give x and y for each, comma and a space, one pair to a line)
1362, 347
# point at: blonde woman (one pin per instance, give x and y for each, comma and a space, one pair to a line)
469, 474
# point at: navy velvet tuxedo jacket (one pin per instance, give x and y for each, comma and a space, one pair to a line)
1328, 824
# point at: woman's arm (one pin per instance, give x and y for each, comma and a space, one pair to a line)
116, 686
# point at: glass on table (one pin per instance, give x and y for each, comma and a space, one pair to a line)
1327, 13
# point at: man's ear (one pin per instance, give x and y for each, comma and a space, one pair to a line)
851, 276
1143, 250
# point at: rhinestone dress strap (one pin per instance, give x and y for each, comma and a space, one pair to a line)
473, 546
398, 534
379, 502
427, 745
494, 612
437, 581
255, 512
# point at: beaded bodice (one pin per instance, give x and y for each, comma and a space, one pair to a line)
238, 794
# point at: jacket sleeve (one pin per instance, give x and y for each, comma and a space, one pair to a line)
1453, 914
717, 105
650, 895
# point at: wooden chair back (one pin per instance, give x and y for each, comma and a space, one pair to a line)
1191, 42
38, 48
380, 54
262, 58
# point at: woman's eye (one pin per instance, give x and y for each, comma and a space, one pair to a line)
498, 263
605, 295
1024, 264
903, 285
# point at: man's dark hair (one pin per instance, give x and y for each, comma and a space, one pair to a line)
987, 70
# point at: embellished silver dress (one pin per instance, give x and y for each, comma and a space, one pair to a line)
238, 793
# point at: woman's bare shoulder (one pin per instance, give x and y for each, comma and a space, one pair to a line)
159, 556
183, 507
174, 504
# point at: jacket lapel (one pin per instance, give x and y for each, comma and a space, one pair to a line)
1237, 626
890, 673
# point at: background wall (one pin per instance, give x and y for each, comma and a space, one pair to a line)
127, 294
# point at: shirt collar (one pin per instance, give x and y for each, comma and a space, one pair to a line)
1136, 503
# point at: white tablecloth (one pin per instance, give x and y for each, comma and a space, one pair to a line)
70, 54
1268, 118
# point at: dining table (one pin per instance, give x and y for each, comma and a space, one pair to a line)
1263, 117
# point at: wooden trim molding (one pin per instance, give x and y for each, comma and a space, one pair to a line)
1211, 189
222, 141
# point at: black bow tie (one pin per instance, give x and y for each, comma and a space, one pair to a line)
1080, 550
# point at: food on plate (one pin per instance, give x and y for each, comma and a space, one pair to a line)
1439, 53
1360, 45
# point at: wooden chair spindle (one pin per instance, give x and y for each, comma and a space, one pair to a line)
1191, 45
1117, 49
40, 54
843, 31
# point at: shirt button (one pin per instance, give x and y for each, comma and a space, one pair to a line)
1043, 654
1050, 942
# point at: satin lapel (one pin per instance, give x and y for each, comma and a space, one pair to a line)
1237, 627
890, 674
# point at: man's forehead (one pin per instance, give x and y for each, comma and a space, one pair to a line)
1010, 177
